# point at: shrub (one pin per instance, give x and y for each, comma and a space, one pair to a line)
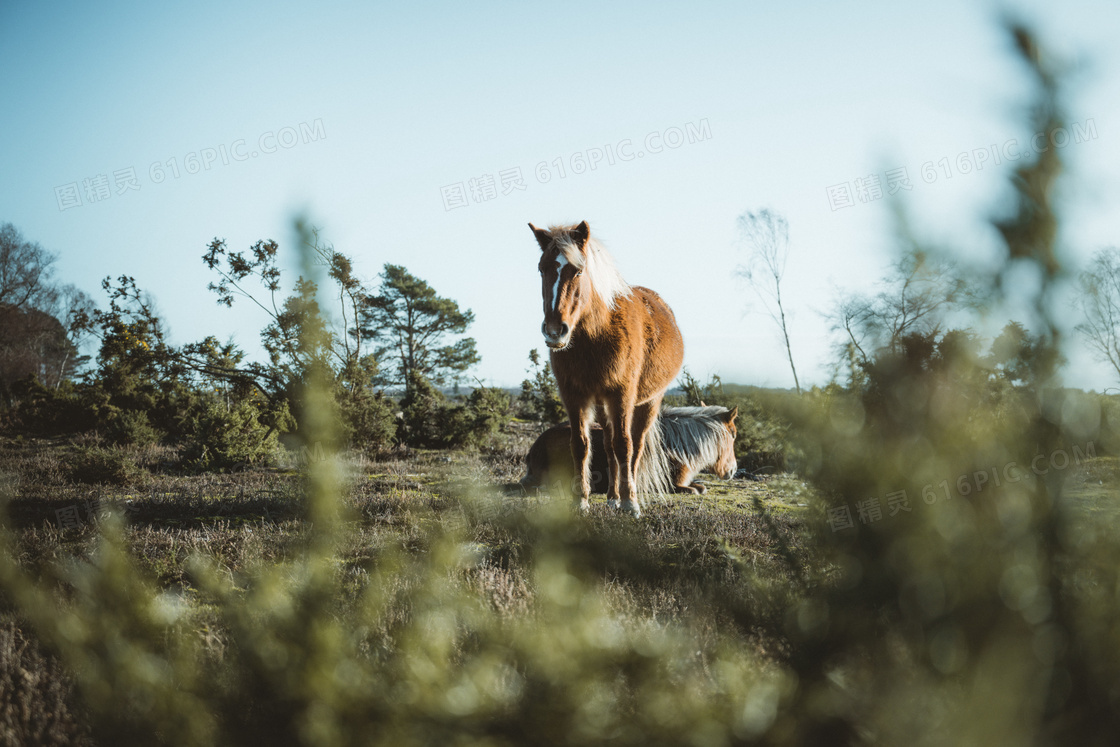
218, 436
95, 465
368, 421
488, 409
431, 420
540, 398
46, 411
131, 428
1110, 423
427, 419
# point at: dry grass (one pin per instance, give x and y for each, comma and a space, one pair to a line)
37, 702
667, 569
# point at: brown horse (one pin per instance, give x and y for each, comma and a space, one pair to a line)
693, 439
615, 349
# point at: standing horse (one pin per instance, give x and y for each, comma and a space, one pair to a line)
614, 348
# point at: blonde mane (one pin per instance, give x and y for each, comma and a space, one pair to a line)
694, 435
605, 278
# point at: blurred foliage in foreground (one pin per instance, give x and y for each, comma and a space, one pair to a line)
946, 593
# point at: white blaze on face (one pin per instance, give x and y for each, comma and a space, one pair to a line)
556, 288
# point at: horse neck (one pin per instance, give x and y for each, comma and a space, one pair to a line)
596, 318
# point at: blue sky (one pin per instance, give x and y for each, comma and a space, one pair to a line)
367, 118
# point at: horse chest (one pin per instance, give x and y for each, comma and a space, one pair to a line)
588, 368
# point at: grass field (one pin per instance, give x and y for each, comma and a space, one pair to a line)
681, 567
255, 518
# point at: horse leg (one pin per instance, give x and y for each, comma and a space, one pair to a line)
581, 455
682, 480
613, 474
644, 416
622, 416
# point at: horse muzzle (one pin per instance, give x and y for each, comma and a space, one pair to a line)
556, 336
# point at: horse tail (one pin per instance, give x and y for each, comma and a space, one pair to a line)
654, 473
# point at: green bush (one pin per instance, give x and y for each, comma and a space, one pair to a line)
431, 420
428, 420
488, 410
539, 398
1109, 441
218, 436
43, 411
130, 428
95, 465
368, 421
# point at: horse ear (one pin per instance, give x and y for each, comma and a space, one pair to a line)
581, 234
730, 416
544, 238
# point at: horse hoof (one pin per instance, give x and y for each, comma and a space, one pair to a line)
612, 503
632, 508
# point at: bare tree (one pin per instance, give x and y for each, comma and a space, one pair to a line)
767, 233
25, 271
72, 307
917, 295
1100, 302
43, 322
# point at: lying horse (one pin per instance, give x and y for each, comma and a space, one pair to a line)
692, 439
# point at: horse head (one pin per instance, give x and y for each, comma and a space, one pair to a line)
727, 466
565, 289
